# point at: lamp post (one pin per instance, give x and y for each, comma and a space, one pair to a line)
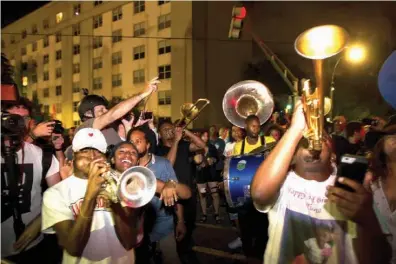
354, 54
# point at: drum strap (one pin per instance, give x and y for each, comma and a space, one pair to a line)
262, 141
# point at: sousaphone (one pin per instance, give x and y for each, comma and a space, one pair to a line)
247, 98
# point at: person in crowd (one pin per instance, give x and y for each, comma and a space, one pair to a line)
207, 177
297, 192
237, 134
90, 228
224, 134
162, 237
21, 241
383, 186
352, 143
178, 152
275, 132
339, 126
219, 143
253, 225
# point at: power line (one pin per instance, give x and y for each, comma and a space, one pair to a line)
148, 37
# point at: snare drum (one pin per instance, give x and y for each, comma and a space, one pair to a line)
238, 174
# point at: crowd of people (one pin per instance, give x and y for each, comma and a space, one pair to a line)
296, 213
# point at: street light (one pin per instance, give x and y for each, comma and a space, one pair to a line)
354, 54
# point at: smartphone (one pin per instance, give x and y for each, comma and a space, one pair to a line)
148, 115
352, 167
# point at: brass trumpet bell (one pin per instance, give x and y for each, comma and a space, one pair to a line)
247, 98
190, 111
321, 42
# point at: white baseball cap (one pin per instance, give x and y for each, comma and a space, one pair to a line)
89, 138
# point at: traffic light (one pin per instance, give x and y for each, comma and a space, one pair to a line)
238, 15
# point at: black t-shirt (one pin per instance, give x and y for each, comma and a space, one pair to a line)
182, 166
342, 147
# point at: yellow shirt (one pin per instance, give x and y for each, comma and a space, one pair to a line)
249, 148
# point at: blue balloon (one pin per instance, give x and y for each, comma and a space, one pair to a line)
387, 80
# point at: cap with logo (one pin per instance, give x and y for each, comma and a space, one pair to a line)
89, 138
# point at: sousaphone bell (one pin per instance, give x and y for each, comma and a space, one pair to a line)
247, 98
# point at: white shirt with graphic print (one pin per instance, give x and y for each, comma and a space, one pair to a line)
63, 202
302, 212
30, 163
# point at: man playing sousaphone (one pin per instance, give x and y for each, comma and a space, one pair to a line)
310, 219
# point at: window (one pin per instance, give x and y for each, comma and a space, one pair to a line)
58, 54
46, 59
164, 72
138, 6
76, 30
58, 37
45, 76
34, 29
97, 21
97, 63
116, 80
163, 2
33, 64
34, 95
58, 108
45, 41
76, 87
24, 33
138, 52
58, 73
97, 83
24, 66
164, 21
45, 23
34, 46
46, 108
76, 49
58, 90
46, 92
138, 76
164, 98
116, 58
23, 51
96, 3
76, 9
117, 14
164, 47
75, 106
76, 123
139, 29
34, 77
97, 42
117, 35
12, 40
76, 68
59, 17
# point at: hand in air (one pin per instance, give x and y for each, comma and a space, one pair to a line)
356, 206
44, 129
152, 86
298, 122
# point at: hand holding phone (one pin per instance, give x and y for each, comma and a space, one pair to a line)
352, 167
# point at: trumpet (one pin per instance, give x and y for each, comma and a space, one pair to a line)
135, 187
190, 112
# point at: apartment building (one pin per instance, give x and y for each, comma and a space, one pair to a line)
110, 48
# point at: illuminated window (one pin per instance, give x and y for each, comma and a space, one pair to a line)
25, 81
76, 9
59, 17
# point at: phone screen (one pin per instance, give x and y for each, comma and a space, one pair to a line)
352, 167
148, 115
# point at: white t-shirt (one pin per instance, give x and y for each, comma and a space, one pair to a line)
30, 194
229, 149
385, 216
63, 202
300, 213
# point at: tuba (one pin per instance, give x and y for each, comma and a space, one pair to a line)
247, 98
317, 44
135, 187
190, 112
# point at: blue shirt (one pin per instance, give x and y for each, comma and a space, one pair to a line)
163, 224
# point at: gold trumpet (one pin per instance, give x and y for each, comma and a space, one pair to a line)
190, 112
135, 187
317, 44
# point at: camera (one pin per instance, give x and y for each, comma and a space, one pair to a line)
370, 122
58, 128
147, 115
12, 124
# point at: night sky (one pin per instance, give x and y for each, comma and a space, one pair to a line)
13, 10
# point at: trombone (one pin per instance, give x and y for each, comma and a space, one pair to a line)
190, 112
